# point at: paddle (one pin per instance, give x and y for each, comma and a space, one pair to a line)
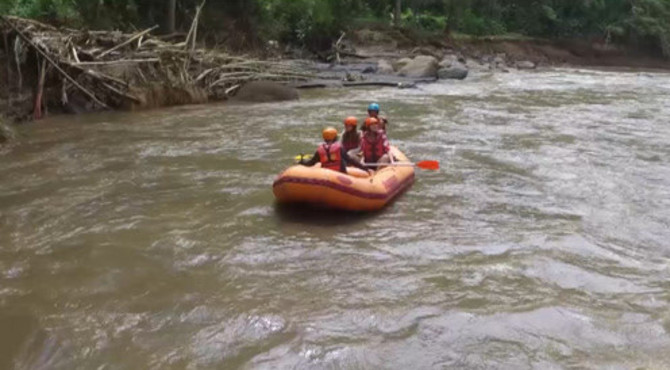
426, 165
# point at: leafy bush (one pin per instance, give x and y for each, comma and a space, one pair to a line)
473, 24
424, 21
311, 23
51, 10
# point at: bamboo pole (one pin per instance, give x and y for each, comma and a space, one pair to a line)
133, 38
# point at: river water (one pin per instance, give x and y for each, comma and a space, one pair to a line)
150, 240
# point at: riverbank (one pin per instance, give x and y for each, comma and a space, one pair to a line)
50, 70
511, 50
62, 70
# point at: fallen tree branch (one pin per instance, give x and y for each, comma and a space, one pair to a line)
58, 68
337, 48
136, 36
348, 54
121, 61
231, 89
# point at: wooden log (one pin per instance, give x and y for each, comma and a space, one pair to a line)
348, 54
312, 85
379, 83
133, 38
121, 61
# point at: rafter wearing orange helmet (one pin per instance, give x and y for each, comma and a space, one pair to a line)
375, 145
351, 138
331, 154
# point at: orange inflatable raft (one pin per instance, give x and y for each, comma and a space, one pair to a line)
354, 191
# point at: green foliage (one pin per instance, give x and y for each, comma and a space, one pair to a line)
424, 21
473, 24
52, 10
311, 23
316, 23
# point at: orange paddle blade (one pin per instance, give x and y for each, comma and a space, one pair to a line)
429, 165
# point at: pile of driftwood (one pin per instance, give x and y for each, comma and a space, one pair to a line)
119, 70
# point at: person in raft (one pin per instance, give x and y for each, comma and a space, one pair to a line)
332, 155
375, 145
373, 111
351, 138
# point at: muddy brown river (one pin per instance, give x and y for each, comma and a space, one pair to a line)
151, 240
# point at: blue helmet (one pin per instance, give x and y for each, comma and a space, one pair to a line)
373, 107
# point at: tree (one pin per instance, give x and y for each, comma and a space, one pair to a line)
397, 13
171, 16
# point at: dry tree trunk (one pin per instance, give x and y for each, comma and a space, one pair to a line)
171, 16
397, 13
41, 68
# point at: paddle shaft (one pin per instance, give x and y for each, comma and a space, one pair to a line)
425, 165
396, 164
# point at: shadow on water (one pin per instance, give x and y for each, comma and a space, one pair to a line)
308, 214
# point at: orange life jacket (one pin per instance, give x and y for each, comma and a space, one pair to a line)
330, 156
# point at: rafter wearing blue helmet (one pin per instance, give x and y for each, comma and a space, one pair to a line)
373, 111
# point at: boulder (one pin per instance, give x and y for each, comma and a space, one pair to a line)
525, 64
486, 59
428, 50
475, 65
448, 60
457, 71
266, 91
421, 66
399, 64
384, 67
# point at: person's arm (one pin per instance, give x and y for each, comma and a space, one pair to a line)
385, 143
314, 160
387, 147
348, 160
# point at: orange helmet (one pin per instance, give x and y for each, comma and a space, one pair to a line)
329, 134
371, 121
351, 121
